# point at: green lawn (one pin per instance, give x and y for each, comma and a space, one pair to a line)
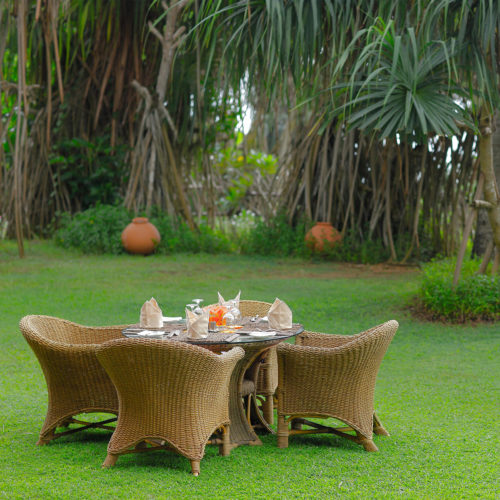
437, 391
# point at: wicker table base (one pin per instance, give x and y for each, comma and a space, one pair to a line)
241, 432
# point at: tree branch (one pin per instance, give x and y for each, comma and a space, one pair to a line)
482, 204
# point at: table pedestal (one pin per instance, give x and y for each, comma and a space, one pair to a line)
241, 432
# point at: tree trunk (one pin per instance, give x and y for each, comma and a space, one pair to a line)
484, 233
491, 194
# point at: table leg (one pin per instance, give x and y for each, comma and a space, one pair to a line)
241, 430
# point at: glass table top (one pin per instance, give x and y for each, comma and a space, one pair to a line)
248, 331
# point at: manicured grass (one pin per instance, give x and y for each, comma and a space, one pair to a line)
437, 391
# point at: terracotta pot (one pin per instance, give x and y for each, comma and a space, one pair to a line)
140, 236
322, 235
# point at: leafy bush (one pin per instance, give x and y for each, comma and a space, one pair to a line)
90, 171
96, 230
476, 297
353, 248
275, 237
176, 236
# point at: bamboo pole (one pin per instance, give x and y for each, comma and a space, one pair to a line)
21, 125
486, 258
387, 218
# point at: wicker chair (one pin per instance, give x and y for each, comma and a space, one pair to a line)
172, 396
266, 379
332, 376
76, 382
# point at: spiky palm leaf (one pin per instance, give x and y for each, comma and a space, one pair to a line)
403, 84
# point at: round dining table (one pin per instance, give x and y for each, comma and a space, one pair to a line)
255, 337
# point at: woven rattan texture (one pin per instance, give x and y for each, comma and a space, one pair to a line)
168, 390
76, 382
267, 378
333, 375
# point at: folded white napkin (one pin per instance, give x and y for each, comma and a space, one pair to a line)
279, 315
197, 325
236, 300
151, 315
150, 333
171, 319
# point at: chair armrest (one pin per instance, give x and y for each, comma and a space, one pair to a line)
232, 356
317, 339
100, 334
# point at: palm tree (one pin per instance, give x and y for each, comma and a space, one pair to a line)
383, 67
347, 71
432, 77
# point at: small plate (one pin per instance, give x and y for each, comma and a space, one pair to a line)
150, 333
262, 334
172, 319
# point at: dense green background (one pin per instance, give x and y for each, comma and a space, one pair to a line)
437, 390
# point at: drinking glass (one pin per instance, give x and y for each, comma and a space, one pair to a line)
229, 318
197, 309
233, 309
190, 307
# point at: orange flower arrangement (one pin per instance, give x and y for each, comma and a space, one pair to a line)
217, 315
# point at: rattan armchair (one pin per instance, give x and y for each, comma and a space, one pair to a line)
172, 396
76, 382
333, 376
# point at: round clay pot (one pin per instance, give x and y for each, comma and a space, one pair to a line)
322, 235
140, 236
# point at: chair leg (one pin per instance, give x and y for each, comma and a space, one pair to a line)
282, 432
46, 438
268, 409
110, 460
249, 408
367, 444
195, 467
378, 428
225, 447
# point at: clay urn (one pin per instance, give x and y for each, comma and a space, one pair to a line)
140, 236
321, 236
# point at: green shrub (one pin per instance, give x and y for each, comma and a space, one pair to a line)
94, 231
176, 236
98, 230
476, 297
275, 237
355, 248
90, 171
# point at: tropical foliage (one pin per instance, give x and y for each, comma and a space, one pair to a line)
375, 112
476, 297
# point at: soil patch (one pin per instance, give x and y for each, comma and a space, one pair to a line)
419, 311
356, 271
